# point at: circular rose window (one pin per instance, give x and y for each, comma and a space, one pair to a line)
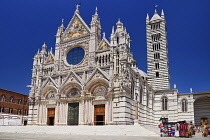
75, 56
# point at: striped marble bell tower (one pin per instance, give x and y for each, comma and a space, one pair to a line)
157, 52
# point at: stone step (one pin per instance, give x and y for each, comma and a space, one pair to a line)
109, 130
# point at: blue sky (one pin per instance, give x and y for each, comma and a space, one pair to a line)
26, 24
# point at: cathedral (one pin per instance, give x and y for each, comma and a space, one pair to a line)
91, 80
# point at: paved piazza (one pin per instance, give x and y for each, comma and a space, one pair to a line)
16, 136
127, 132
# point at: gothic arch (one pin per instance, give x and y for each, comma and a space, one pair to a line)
200, 95
67, 90
201, 109
98, 85
49, 92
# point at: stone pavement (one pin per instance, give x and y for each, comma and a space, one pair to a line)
111, 132
22, 136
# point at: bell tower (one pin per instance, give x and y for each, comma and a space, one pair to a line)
157, 52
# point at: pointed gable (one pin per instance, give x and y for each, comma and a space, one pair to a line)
98, 73
50, 59
49, 82
76, 28
104, 44
72, 77
155, 17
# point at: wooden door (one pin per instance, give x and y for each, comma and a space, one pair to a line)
99, 114
50, 116
73, 114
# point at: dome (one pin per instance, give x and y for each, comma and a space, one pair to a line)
142, 73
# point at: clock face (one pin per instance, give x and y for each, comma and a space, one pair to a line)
75, 56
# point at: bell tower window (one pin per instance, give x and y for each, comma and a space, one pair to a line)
157, 74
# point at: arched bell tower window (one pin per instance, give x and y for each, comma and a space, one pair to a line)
184, 105
157, 74
164, 103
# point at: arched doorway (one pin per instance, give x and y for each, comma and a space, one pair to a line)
98, 89
72, 90
202, 111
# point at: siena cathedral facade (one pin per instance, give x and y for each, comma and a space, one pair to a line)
90, 80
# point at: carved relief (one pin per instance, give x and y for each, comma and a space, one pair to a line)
99, 92
74, 92
50, 95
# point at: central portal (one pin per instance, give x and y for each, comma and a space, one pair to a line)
73, 114
99, 114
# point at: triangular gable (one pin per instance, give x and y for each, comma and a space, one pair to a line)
50, 59
72, 77
98, 73
49, 81
76, 28
104, 44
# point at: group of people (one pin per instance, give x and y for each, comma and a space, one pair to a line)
204, 129
188, 130
181, 129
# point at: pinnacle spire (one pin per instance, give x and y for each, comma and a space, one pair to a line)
112, 29
125, 29
38, 51
162, 14
44, 47
155, 11
147, 16
62, 23
51, 49
95, 16
119, 20
119, 23
104, 35
96, 11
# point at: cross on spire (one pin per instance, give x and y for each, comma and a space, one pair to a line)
77, 7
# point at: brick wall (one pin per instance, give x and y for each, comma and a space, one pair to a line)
17, 106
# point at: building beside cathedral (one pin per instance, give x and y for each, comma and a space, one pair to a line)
94, 81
